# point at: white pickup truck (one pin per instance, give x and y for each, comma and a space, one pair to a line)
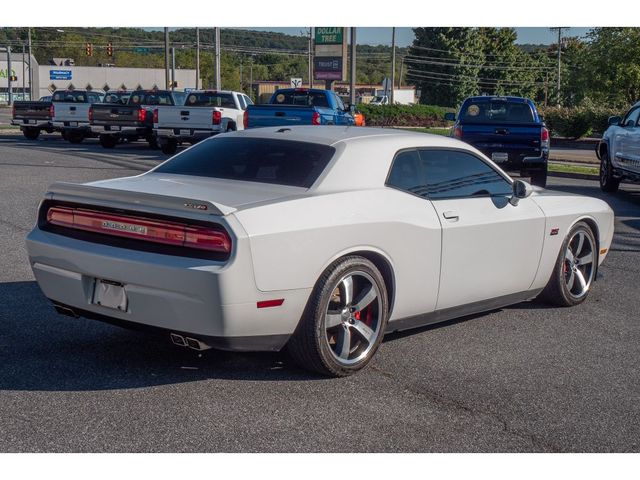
70, 112
204, 113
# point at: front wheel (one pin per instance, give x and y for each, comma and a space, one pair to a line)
574, 270
344, 321
608, 183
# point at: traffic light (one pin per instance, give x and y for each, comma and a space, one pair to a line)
13, 78
109, 49
89, 49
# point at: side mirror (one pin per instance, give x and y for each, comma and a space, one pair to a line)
450, 116
521, 189
615, 120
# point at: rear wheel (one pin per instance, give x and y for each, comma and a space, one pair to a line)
539, 178
344, 321
31, 133
574, 270
75, 137
169, 147
607, 182
108, 141
153, 142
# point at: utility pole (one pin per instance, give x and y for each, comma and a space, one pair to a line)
30, 74
559, 56
9, 88
218, 76
197, 58
352, 76
173, 68
251, 78
23, 73
241, 88
310, 58
393, 64
401, 69
166, 57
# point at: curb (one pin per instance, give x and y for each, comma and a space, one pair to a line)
579, 176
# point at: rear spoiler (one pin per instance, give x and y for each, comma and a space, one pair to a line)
138, 201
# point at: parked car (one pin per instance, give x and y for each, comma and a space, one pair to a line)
619, 151
508, 130
318, 238
204, 113
33, 117
70, 112
299, 106
115, 120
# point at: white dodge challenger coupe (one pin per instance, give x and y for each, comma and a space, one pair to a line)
320, 239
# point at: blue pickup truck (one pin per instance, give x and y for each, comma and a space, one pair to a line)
508, 130
299, 106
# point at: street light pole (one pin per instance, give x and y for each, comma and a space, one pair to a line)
23, 72
9, 88
30, 73
352, 76
173, 68
166, 57
393, 64
559, 55
197, 58
218, 76
310, 59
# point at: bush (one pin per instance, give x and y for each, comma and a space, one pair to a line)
579, 121
404, 115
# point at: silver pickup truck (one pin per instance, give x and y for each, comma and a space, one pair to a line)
619, 151
70, 112
204, 113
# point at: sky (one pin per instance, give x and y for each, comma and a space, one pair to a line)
404, 35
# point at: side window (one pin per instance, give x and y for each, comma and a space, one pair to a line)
339, 102
241, 102
631, 120
408, 173
455, 174
247, 100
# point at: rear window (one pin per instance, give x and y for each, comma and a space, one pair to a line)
283, 162
210, 99
119, 97
69, 97
304, 98
151, 98
496, 111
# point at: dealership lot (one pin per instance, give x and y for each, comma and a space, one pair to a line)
525, 378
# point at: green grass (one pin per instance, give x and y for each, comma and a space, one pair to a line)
564, 168
434, 131
8, 127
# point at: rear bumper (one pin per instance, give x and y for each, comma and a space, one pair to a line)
121, 130
184, 134
41, 124
522, 161
72, 126
201, 298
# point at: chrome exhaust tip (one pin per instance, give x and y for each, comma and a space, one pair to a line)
65, 311
196, 344
178, 340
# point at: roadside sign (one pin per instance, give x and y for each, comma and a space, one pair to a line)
328, 68
329, 35
60, 74
296, 82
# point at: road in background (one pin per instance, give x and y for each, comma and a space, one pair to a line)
524, 378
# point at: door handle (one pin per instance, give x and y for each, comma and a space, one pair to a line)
451, 215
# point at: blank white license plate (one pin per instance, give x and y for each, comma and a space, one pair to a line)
185, 132
33, 121
166, 133
109, 294
73, 124
499, 157
113, 128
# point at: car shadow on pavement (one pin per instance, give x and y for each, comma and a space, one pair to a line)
43, 351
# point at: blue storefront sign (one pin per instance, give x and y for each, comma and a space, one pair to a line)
60, 74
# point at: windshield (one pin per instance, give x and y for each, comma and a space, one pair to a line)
210, 99
152, 97
264, 160
496, 111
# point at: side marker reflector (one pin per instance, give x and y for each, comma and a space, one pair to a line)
603, 251
554, 231
270, 303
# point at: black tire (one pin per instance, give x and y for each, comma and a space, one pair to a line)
74, 137
309, 345
539, 178
231, 127
169, 147
557, 291
31, 133
153, 143
607, 182
108, 141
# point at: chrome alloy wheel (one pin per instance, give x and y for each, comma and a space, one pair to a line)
353, 317
578, 267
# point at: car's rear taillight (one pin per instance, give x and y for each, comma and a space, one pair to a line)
142, 115
156, 231
544, 138
457, 132
52, 111
155, 115
90, 114
216, 117
315, 120
245, 119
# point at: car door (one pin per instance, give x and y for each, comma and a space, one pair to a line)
490, 248
623, 136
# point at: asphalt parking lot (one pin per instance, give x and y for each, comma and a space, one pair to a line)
524, 378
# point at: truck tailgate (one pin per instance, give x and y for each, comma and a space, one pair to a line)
508, 138
32, 110
186, 117
71, 112
279, 115
112, 114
